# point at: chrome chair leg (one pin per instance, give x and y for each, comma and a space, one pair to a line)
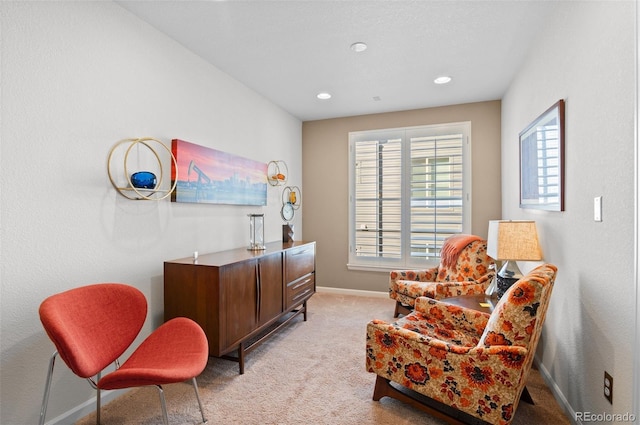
195, 387
165, 417
98, 398
47, 388
97, 406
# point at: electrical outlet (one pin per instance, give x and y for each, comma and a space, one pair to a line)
608, 387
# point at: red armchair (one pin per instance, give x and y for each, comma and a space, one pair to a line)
92, 326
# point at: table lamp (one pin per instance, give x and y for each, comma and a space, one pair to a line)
510, 241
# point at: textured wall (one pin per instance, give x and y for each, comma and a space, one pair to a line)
585, 55
76, 78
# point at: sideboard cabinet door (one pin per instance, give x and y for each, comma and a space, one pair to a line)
239, 301
270, 288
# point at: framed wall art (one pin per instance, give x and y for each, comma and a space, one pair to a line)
210, 176
542, 161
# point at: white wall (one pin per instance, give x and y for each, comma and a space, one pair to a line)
585, 55
76, 78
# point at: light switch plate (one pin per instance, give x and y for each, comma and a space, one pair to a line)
597, 208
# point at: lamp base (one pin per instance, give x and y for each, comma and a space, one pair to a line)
508, 275
504, 283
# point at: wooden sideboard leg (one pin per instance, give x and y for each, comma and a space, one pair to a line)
304, 306
241, 358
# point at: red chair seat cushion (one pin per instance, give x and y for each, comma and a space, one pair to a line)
175, 352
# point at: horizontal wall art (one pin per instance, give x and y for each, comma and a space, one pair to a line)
210, 176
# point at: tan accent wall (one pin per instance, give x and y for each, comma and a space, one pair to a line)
325, 165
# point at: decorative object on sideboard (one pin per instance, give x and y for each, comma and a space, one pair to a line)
277, 172
256, 232
291, 201
145, 184
287, 232
542, 161
287, 211
510, 241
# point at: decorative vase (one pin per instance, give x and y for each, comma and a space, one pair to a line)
287, 233
256, 232
144, 180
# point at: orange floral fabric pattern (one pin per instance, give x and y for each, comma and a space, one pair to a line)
472, 361
470, 275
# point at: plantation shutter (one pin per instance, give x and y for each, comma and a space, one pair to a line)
407, 194
436, 192
378, 197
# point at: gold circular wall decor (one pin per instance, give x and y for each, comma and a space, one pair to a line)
292, 195
131, 191
277, 172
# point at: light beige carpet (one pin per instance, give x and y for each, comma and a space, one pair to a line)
308, 373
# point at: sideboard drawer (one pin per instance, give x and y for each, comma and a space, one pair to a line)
300, 290
299, 262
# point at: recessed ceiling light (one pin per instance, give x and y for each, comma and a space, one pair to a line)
359, 47
442, 80
324, 96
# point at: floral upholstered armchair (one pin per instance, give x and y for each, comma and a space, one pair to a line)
469, 361
464, 269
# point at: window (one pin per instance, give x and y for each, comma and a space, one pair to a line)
409, 190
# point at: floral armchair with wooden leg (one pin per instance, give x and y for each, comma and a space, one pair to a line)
464, 269
469, 361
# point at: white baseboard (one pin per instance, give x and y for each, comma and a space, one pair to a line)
358, 292
80, 411
557, 393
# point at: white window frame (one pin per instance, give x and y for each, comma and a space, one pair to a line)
369, 263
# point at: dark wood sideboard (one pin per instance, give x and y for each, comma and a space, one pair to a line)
241, 297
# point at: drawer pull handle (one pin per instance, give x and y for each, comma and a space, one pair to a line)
258, 289
301, 283
301, 294
304, 251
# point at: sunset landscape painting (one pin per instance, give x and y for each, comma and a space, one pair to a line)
210, 176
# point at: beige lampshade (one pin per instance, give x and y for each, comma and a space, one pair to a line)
513, 240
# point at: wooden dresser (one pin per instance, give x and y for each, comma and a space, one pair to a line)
240, 297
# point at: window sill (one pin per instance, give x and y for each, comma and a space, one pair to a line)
388, 268
372, 268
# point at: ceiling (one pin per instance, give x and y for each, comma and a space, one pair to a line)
290, 50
